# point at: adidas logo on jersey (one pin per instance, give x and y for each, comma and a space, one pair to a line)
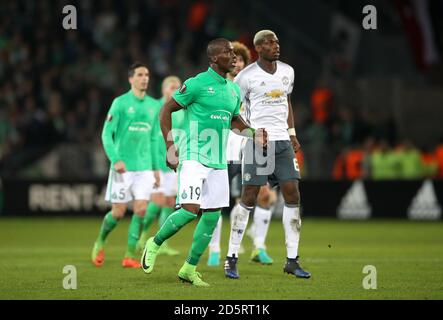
354, 204
424, 205
262, 84
131, 110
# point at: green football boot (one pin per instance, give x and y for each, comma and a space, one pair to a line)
149, 254
260, 256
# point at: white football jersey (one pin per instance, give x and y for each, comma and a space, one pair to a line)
265, 97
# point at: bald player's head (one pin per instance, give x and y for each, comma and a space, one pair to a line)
221, 55
215, 47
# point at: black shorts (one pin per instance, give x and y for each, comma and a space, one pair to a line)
234, 175
276, 164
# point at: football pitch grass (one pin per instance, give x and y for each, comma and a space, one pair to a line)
408, 257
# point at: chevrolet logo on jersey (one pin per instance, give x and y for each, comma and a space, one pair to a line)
140, 127
274, 94
221, 115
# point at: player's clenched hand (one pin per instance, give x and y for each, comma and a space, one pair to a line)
261, 137
295, 144
120, 167
157, 179
172, 157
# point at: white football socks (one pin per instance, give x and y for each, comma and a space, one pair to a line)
292, 225
240, 217
262, 219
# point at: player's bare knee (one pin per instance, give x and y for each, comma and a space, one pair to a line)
272, 197
194, 208
291, 193
159, 199
140, 207
140, 211
264, 197
170, 202
249, 195
118, 210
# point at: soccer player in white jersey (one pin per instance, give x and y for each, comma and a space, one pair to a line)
266, 88
266, 197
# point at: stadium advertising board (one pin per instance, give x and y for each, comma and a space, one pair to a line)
417, 200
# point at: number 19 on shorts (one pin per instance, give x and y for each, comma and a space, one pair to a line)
191, 193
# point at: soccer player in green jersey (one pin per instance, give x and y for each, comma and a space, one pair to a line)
266, 196
131, 147
163, 198
212, 107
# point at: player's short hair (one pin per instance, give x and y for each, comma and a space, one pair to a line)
134, 66
242, 50
261, 35
214, 47
170, 79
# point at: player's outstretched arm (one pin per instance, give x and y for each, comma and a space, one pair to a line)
240, 126
166, 124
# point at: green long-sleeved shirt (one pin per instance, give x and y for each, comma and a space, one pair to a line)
128, 133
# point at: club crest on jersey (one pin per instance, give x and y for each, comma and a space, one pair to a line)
182, 88
211, 90
131, 110
285, 80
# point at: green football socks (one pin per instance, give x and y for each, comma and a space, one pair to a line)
151, 213
108, 224
172, 224
202, 235
133, 235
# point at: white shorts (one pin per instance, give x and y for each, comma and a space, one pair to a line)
128, 186
207, 187
168, 184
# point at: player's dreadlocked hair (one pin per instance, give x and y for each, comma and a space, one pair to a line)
242, 50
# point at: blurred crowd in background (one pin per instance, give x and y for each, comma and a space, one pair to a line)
56, 85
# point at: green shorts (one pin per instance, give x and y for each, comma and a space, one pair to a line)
277, 164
